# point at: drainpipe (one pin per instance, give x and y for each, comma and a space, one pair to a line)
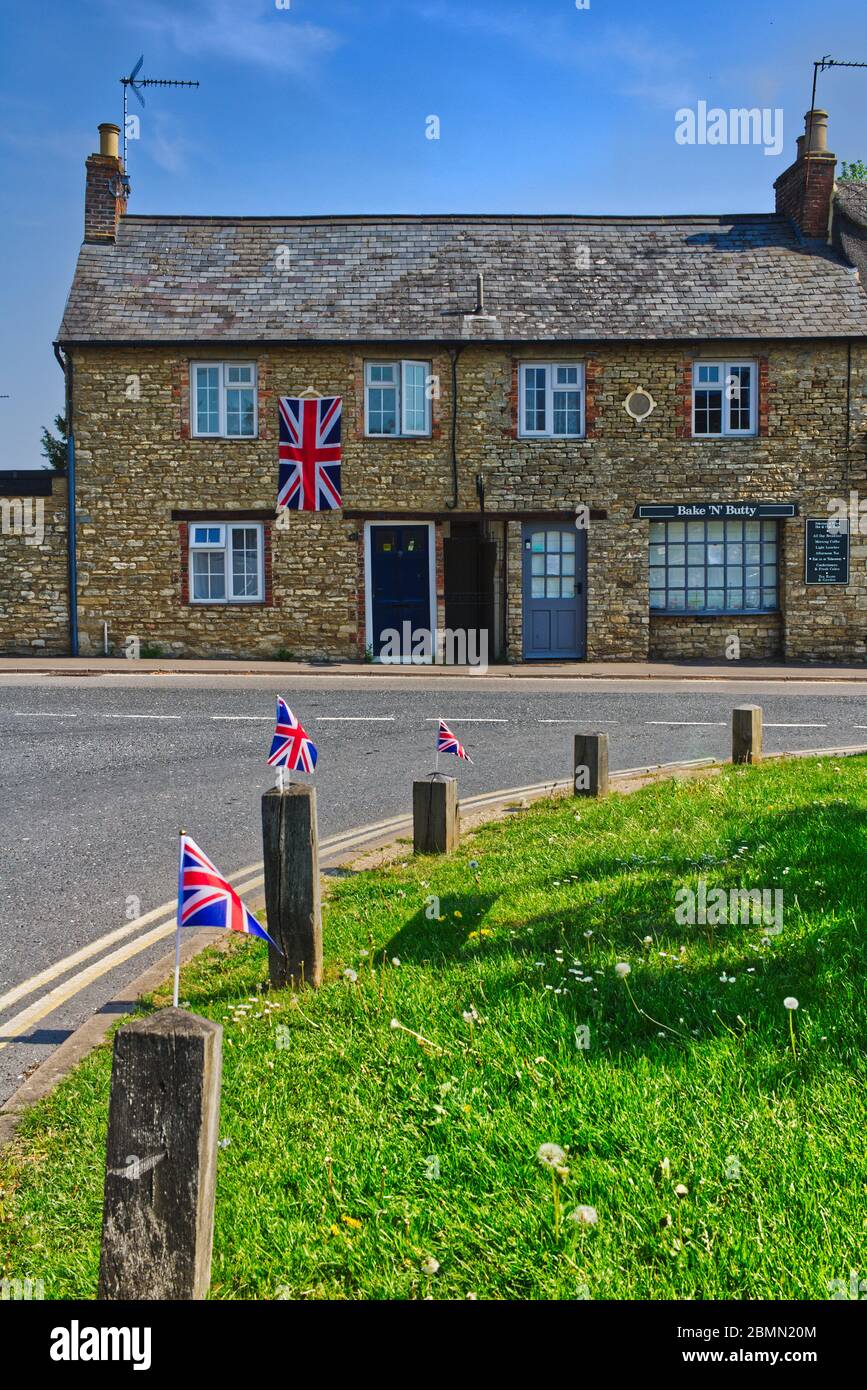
454, 354
65, 364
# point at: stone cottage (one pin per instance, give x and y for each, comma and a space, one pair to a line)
582, 437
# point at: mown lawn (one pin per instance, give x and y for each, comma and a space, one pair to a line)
353, 1155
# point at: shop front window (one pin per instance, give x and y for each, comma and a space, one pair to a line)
713, 567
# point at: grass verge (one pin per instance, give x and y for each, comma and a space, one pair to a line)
358, 1162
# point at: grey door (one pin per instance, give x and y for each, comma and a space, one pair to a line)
555, 622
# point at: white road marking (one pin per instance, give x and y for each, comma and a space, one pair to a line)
354, 718
690, 723
255, 718
797, 726
41, 714
576, 721
464, 719
139, 716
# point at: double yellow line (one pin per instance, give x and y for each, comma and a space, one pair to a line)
334, 847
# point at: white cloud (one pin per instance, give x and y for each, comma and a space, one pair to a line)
245, 31
161, 142
659, 74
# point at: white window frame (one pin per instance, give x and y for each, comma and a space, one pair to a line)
224, 546
222, 387
726, 366
550, 388
400, 365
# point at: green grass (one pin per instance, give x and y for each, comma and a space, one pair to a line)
327, 1183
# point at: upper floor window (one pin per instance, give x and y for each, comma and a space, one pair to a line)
397, 398
224, 399
551, 400
723, 399
226, 563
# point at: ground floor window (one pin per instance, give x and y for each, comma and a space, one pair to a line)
713, 566
226, 563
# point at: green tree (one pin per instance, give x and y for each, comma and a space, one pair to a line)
55, 449
856, 172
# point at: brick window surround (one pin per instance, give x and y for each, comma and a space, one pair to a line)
440, 369
265, 401
184, 547
683, 389
592, 384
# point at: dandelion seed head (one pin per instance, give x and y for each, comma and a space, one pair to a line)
790, 1002
430, 1265
551, 1155
584, 1216
622, 969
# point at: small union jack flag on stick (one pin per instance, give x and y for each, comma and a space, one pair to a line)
206, 899
310, 453
291, 747
448, 743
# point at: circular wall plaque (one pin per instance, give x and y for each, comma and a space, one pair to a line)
639, 404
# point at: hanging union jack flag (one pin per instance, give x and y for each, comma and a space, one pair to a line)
310, 454
291, 746
447, 743
206, 899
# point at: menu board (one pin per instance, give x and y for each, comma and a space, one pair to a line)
827, 550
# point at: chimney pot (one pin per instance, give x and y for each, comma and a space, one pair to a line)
816, 131
108, 137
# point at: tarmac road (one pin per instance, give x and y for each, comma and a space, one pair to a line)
98, 773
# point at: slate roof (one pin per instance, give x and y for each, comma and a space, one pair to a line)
197, 279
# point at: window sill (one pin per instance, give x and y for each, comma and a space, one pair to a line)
396, 438
552, 438
678, 615
225, 438
227, 605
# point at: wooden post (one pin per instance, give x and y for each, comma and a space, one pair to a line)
161, 1158
435, 825
747, 734
290, 841
590, 765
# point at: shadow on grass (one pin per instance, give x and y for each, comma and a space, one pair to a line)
641, 901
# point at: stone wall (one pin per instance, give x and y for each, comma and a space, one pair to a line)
34, 610
694, 638
137, 464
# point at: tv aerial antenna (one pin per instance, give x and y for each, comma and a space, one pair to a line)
821, 65
827, 62
135, 83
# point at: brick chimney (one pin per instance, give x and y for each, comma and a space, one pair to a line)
804, 190
105, 192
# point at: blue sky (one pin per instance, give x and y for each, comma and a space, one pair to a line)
322, 107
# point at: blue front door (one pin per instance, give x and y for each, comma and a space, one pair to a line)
399, 586
554, 591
